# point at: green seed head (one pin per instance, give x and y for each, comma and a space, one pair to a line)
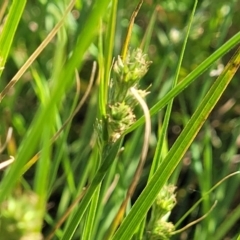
133, 68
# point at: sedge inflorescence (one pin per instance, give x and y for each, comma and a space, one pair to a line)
126, 73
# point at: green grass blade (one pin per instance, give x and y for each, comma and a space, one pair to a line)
162, 133
149, 31
91, 216
102, 93
73, 224
9, 29
223, 229
106, 58
190, 78
157, 156
43, 166
146, 199
238, 237
110, 39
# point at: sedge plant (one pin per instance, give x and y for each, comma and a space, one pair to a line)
81, 83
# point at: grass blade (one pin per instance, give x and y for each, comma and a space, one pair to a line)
9, 29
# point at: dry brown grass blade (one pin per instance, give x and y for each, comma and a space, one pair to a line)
129, 31
30, 60
66, 214
8, 137
7, 162
83, 100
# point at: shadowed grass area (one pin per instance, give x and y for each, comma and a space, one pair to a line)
73, 126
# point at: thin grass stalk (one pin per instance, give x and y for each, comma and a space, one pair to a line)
202, 198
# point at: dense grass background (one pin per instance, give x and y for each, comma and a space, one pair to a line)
48, 93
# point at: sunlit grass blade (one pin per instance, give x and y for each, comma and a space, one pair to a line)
9, 29
29, 143
147, 197
106, 62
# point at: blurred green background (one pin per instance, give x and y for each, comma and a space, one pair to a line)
216, 151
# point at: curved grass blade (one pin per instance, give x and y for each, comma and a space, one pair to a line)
202, 198
189, 79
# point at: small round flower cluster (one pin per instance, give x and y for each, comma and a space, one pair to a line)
126, 74
159, 227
